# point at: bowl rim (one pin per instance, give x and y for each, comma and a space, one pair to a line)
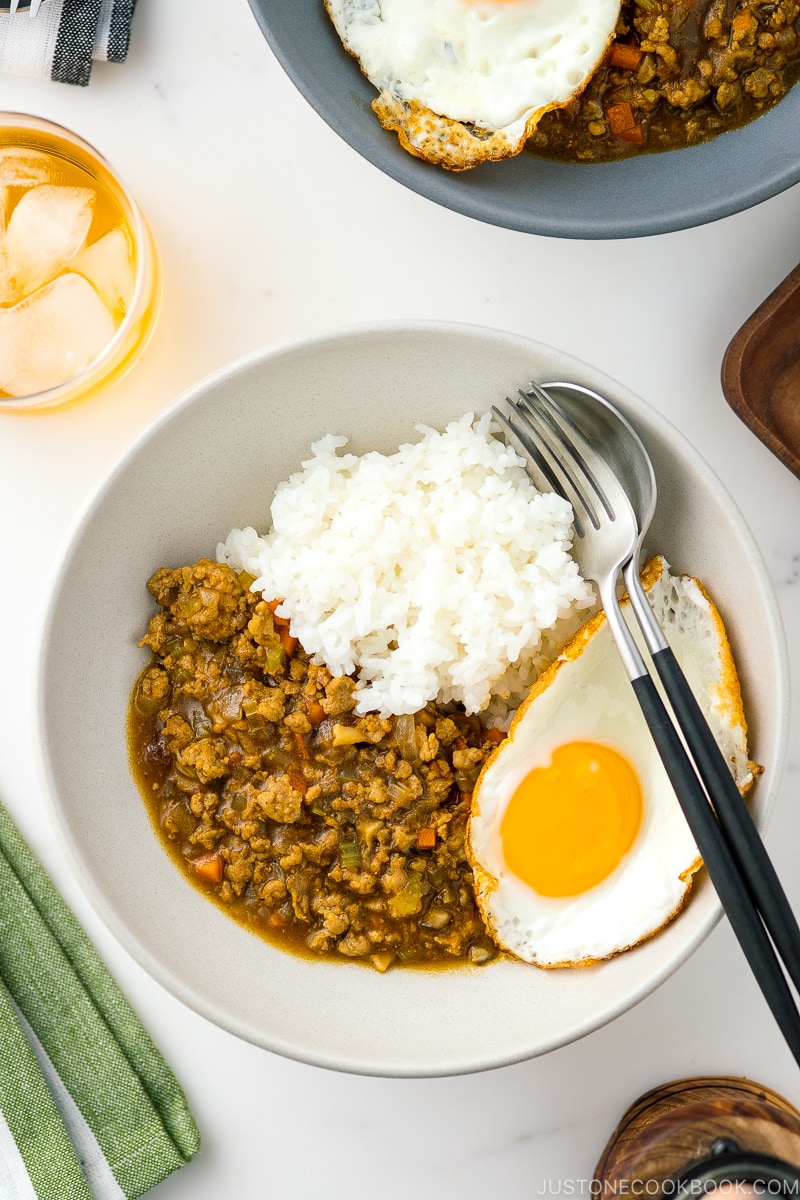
137, 948
638, 196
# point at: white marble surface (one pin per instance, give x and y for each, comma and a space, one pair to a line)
270, 226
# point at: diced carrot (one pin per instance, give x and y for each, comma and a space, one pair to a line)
623, 124
298, 783
620, 117
635, 136
209, 868
426, 838
316, 713
300, 742
288, 642
625, 56
494, 735
742, 23
280, 623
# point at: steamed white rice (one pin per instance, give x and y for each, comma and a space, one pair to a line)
437, 572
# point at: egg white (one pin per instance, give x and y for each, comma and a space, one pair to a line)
586, 695
463, 81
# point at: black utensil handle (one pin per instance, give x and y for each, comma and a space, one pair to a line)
733, 814
736, 899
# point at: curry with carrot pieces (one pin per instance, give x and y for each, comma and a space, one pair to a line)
678, 73
325, 832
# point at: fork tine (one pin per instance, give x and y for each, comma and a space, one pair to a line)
575, 443
13, 6
35, 6
562, 466
537, 467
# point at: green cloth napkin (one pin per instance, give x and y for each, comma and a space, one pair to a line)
89, 1110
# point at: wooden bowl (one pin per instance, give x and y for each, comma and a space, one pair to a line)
761, 372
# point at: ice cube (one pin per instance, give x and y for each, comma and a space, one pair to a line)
47, 227
20, 167
49, 337
108, 266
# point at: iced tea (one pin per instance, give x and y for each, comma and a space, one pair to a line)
78, 280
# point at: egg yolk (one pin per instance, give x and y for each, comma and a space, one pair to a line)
569, 823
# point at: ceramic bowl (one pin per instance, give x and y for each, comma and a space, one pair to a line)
654, 193
210, 463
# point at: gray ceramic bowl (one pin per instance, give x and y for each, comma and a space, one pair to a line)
210, 463
655, 193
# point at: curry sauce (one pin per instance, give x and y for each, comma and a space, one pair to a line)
679, 72
325, 832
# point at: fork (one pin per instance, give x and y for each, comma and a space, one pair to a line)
607, 542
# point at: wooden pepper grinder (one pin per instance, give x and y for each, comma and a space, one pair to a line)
693, 1135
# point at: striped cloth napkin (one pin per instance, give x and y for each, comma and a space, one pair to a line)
89, 1110
64, 38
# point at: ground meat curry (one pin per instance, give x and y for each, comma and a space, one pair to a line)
328, 833
679, 72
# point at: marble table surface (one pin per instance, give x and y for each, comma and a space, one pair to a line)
269, 227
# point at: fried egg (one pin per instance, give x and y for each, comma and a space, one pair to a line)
577, 841
463, 81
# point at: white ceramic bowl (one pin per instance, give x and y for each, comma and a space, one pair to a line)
210, 463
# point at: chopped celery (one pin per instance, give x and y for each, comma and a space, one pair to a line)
400, 792
273, 659
148, 700
349, 854
178, 646
409, 900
